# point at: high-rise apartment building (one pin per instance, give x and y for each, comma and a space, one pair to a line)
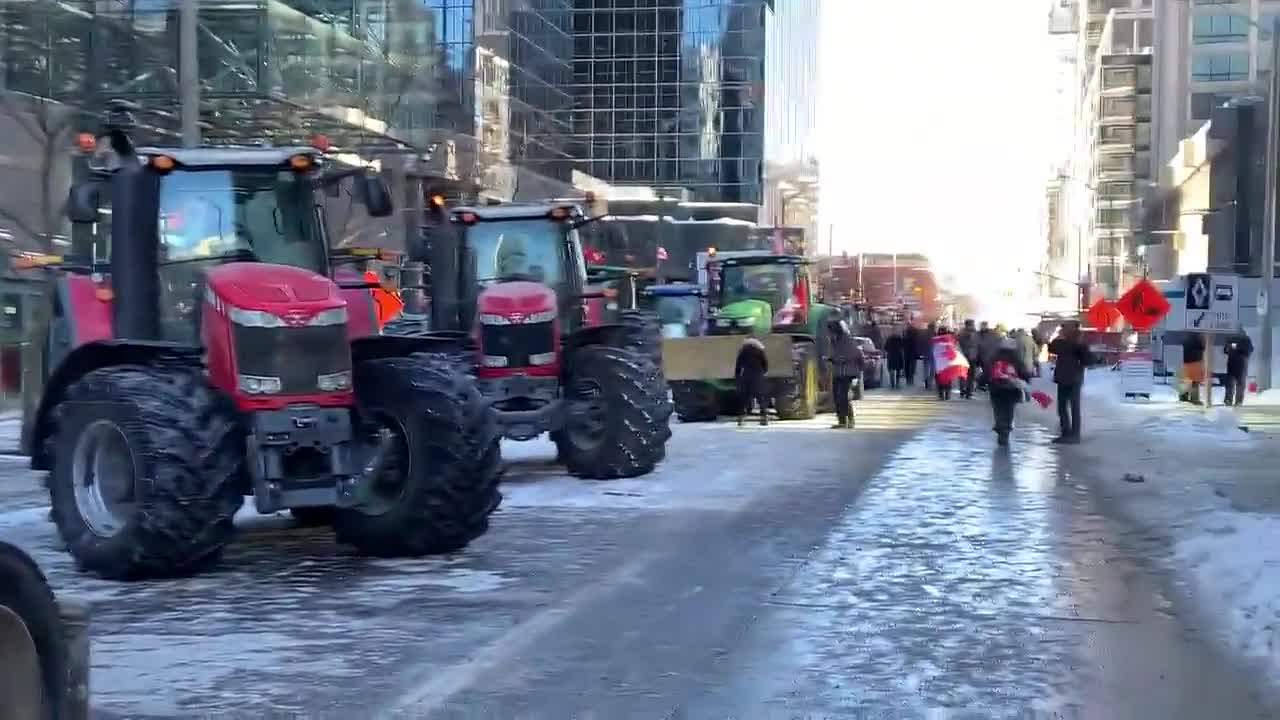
671, 93
1110, 163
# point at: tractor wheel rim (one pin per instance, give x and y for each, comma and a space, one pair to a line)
385, 465
102, 470
587, 415
21, 684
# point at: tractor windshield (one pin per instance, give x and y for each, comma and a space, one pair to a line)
774, 284
505, 250
221, 215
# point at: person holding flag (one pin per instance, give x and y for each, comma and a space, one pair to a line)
1008, 378
947, 362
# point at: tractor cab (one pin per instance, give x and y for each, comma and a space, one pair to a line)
759, 293
680, 308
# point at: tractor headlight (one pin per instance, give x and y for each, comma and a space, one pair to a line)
332, 316
259, 385
491, 319
545, 358
723, 322
334, 381
745, 322
542, 317
253, 318
495, 361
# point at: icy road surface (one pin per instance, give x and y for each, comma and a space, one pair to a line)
904, 570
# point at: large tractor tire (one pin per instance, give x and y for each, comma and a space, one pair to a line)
796, 397
437, 479
33, 646
148, 472
643, 333
695, 401
618, 414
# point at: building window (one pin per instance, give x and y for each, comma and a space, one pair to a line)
1266, 24
1116, 190
1220, 68
1118, 134
1115, 163
1210, 29
1215, 2
1113, 218
1116, 107
1121, 77
1202, 104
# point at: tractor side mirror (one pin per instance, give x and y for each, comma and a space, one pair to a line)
83, 202
373, 192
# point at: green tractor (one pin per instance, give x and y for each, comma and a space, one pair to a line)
772, 297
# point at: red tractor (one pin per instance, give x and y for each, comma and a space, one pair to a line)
215, 357
512, 277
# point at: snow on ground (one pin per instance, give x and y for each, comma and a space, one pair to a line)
1208, 487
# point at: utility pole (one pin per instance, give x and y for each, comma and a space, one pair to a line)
188, 71
1269, 221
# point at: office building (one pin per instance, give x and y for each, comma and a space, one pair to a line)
671, 93
792, 67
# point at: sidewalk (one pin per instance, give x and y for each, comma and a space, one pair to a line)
1209, 488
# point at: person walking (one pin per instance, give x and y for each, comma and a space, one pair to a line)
967, 340
910, 353
1026, 348
925, 350
1239, 349
1009, 377
893, 350
1072, 357
749, 377
847, 363
1193, 349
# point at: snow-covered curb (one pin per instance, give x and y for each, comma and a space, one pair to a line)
1193, 463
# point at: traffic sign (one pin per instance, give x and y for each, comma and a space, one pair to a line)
1213, 303
1102, 314
1143, 305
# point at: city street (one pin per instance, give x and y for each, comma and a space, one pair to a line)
906, 569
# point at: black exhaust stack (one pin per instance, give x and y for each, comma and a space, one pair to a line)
135, 236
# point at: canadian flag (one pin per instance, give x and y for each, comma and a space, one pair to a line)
949, 364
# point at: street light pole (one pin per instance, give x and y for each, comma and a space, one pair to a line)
1269, 220
188, 72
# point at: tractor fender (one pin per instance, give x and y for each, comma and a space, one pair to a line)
375, 347
84, 359
611, 334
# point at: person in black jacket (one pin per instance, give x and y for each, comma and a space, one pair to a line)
847, 362
1007, 386
893, 351
967, 339
1072, 357
749, 376
910, 353
1239, 348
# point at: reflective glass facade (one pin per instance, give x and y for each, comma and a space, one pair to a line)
670, 92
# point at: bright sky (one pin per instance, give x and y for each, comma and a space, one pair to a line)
932, 122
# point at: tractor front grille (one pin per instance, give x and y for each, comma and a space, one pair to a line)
296, 355
517, 342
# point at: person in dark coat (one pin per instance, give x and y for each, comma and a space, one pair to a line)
749, 376
967, 340
1037, 338
893, 350
1072, 357
924, 350
1007, 386
1193, 349
910, 353
1239, 348
847, 364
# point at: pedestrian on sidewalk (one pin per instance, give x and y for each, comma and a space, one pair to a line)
967, 340
893, 352
1072, 357
987, 349
1239, 348
1008, 387
749, 377
1026, 348
847, 362
1193, 349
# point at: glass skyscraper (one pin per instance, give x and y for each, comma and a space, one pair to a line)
670, 93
